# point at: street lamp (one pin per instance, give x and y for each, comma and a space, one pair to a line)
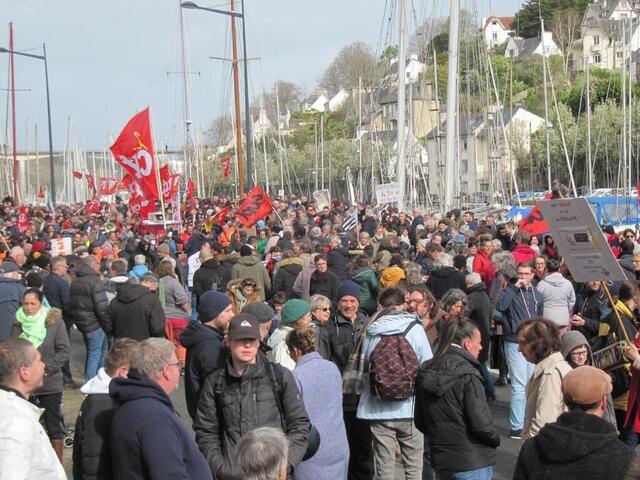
46, 78
249, 148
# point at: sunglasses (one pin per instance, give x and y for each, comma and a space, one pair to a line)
325, 309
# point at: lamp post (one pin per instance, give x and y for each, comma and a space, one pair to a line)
46, 78
249, 143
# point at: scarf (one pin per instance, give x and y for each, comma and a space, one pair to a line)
33, 327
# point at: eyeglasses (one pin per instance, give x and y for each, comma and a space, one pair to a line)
175, 364
580, 353
325, 309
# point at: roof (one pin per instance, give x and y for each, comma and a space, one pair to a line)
526, 46
506, 22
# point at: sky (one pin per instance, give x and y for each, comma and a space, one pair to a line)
107, 60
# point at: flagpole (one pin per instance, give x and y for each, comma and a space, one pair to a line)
157, 169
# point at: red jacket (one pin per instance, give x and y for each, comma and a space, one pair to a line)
523, 253
483, 266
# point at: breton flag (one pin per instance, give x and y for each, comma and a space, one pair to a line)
351, 222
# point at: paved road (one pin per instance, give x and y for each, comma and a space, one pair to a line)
506, 457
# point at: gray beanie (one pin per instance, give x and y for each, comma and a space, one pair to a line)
572, 340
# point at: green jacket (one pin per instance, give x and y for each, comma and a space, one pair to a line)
368, 282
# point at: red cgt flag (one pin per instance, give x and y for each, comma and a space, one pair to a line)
226, 163
253, 208
534, 223
92, 206
133, 150
41, 192
221, 216
108, 185
23, 218
91, 183
169, 184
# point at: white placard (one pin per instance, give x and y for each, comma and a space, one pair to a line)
580, 240
61, 246
322, 198
387, 193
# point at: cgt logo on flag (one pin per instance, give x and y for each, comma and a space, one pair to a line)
133, 150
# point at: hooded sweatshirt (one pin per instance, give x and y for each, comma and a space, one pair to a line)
559, 298
577, 446
372, 407
279, 352
136, 313
251, 267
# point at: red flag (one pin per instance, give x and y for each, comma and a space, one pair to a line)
23, 218
41, 192
123, 184
91, 183
77, 174
534, 223
133, 150
169, 184
191, 188
141, 206
108, 185
253, 208
221, 216
226, 163
92, 206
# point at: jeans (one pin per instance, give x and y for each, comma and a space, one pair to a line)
194, 308
489, 388
520, 372
96, 343
385, 434
484, 473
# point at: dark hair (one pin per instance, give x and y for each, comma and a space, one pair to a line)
541, 336
165, 269
627, 290
15, 353
33, 279
553, 265
119, 267
455, 330
391, 297
119, 355
525, 265
434, 247
34, 291
396, 260
320, 256
579, 407
279, 298
459, 262
304, 339
428, 297
523, 236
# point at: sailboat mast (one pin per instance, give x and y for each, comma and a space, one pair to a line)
452, 102
185, 104
236, 100
14, 135
402, 60
279, 139
360, 186
588, 92
624, 102
546, 108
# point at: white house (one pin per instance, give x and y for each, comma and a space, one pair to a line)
337, 100
523, 48
497, 30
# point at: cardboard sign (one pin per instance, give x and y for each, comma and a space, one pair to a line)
61, 246
580, 240
322, 198
387, 193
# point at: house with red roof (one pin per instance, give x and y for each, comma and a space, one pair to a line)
497, 30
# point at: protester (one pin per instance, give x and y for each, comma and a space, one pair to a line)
365, 277
243, 292
262, 454
11, 292
295, 314
479, 312
250, 266
91, 440
320, 308
25, 450
148, 440
558, 295
323, 281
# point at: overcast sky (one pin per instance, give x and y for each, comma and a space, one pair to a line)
109, 59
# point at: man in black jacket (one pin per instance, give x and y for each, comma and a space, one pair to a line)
136, 312
580, 444
88, 304
204, 343
210, 276
91, 442
248, 392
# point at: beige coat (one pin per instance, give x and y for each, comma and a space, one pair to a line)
544, 394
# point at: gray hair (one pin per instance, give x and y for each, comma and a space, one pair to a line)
497, 245
149, 278
55, 261
262, 453
318, 301
473, 278
15, 251
443, 260
153, 354
15, 353
140, 259
504, 261
451, 297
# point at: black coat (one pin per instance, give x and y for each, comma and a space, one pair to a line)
211, 275
136, 313
593, 307
91, 440
479, 311
443, 279
326, 284
285, 276
338, 260
247, 402
148, 440
88, 300
11, 292
193, 244
578, 446
452, 411
205, 353
56, 290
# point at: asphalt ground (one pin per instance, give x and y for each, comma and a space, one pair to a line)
507, 453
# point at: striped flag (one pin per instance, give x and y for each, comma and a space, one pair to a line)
351, 222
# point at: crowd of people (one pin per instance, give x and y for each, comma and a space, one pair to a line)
310, 347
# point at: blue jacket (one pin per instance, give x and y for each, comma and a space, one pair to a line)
517, 306
371, 407
148, 440
320, 385
11, 292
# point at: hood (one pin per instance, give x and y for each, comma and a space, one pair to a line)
573, 436
279, 335
437, 378
291, 261
478, 287
211, 264
133, 293
249, 260
573, 339
524, 248
198, 332
83, 270
444, 272
119, 279
136, 387
98, 384
139, 270
392, 323
555, 279
53, 315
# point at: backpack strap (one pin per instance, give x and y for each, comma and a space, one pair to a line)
411, 325
276, 386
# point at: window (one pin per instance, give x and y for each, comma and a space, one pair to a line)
619, 55
596, 58
596, 39
495, 35
494, 22
464, 145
